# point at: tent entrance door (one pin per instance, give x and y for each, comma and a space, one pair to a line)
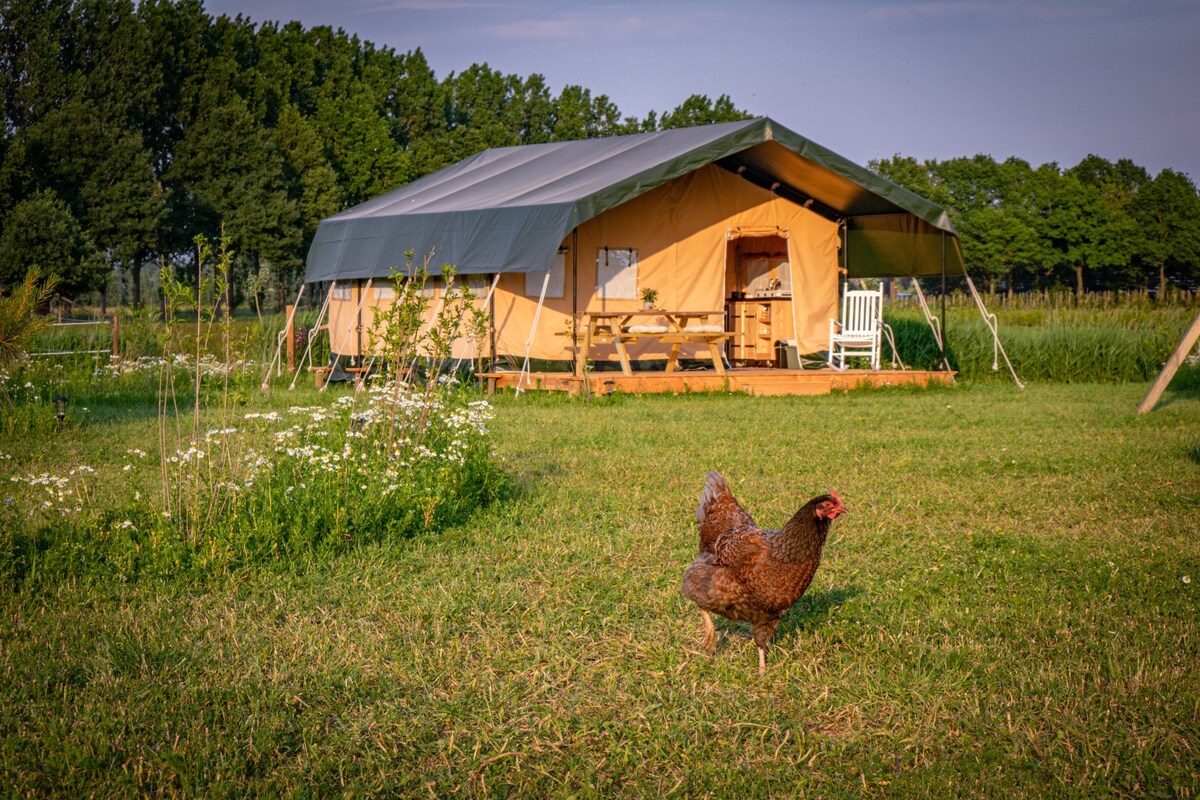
758, 305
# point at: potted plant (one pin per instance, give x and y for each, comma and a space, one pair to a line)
648, 297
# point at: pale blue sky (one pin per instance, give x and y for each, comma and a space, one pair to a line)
1044, 80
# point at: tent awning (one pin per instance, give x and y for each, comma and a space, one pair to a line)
508, 209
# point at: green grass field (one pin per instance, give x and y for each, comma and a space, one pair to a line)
1010, 609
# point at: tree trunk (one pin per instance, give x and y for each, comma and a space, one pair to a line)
136, 273
1162, 281
1078, 283
280, 290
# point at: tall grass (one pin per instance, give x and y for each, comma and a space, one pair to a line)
1048, 344
226, 483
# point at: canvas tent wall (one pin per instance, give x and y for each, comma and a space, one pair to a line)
670, 200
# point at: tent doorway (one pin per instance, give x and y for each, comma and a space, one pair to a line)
758, 300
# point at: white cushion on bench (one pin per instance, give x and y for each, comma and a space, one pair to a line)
704, 329
646, 329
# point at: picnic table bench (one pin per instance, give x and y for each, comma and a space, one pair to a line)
683, 327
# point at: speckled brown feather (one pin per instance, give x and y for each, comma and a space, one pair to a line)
719, 512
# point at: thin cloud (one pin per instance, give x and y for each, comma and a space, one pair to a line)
429, 5
987, 10
563, 27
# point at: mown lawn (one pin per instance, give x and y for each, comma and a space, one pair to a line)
1010, 609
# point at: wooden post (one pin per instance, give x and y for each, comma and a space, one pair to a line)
290, 332
116, 350
1160, 384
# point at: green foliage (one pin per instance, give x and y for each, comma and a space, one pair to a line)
700, 110
19, 321
1095, 226
41, 232
222, 486
1046, 343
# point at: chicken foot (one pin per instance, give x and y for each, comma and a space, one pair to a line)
710, 630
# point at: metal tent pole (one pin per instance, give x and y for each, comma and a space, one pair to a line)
943, 341
286, 327
575, 300
486, 299
533, 332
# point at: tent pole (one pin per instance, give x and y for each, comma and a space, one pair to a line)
286, 327
1171, 367
312, 332
533, 331
492, 327
943, 340
575, 300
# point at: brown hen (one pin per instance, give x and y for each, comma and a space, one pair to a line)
748, 574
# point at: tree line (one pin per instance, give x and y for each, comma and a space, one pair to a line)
1096, 226
130, 129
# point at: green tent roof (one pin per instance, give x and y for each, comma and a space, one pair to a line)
508, 209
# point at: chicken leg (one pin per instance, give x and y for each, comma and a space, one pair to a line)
710, 630
763, 631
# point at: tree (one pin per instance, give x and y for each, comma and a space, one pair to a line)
578, 115
1106, 229
359, 147
1167, 212
913, 175
41, 232
106, 176
310, 182
228, 173
699, 110
417, 108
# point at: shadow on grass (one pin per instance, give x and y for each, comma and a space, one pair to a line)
813, 609
809, 612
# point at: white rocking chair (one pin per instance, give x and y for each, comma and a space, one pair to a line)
859, 331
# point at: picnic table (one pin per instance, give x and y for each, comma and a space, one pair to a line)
683, 327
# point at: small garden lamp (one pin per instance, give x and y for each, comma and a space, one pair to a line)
60, 410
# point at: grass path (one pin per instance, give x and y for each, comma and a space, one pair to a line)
1002, 613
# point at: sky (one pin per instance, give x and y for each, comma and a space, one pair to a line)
1042, 80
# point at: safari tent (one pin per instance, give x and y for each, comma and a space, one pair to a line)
707, 217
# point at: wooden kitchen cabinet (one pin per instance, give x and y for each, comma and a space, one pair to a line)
757, 325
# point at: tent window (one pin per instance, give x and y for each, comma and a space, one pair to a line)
385, 293
341, 293
616, 273
534, 280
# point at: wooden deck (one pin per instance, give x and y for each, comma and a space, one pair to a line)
748, 380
